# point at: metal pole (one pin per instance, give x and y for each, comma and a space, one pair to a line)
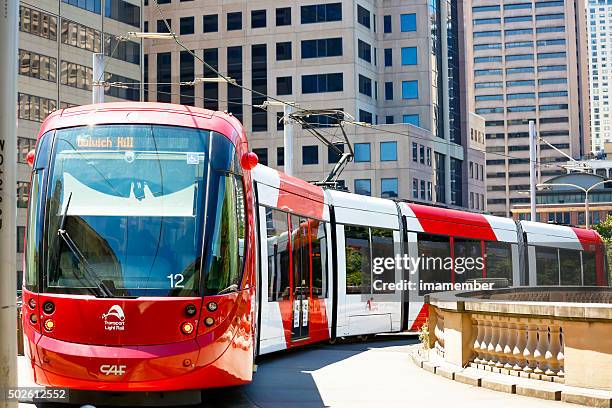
586, 209
9, 10
532, 169
142, 94
288, 139
98, 78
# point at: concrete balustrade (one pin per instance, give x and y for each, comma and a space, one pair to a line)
562, 342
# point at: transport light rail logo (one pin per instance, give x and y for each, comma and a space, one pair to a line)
112, 369
114, 319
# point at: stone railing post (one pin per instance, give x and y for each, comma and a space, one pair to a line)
510, 344
484, 345
502, 341
530, 347
552, 354
493, 343
521, 343
479, 330
541, 349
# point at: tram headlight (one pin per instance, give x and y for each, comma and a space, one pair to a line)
33, 318
49, 324
48, 307
190, 310
212, 306
32, 303
187, 328
209, 321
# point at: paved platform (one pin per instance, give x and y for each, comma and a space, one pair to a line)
378, 373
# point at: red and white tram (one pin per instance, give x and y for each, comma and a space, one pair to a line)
158, 258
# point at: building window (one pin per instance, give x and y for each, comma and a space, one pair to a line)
324, 47
408, 22
363, 16
119, 10
283, 51
388, 91
310, 155
234, 70
333, 156
364, 51
365, 116
322, 83
37, 66
440, 177
363, 187
259, 81
365, 85
410, 89
38, 23
186, 25
388, 57
211, 89
162, 27
388, 188
80, 36
409, 56
389, 120
283, 16
23, 190
24, 146
320, 13
362, 152
210, 23
280, 156
164, 76
234, 21
283, 85
187, 73
388, 151
262, 155
412, 119
387, 24
20, 239
258, 18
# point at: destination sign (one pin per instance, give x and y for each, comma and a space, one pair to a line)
122, 142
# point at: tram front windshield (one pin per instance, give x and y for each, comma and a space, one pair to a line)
125, 211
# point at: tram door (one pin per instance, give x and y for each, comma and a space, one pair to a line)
301, 277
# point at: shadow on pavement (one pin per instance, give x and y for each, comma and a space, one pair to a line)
283, 379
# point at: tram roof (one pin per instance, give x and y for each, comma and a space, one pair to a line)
129, 113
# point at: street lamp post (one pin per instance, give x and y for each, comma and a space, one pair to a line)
586, 192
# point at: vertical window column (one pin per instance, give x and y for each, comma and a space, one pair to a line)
187, 73
211, 89
234, 70
259, 81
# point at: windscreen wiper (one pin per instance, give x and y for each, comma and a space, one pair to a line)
231, 288
89, 273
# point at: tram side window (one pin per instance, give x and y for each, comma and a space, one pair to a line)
467, 253
498, 257
33, 236
433, 250
547, 266
570, 267
300, 254
226, 263
278, 255
358, 259
589, 268
318, 241
382, 248
241, 221
363, 245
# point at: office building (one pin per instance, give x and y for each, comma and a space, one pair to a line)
56, 42
527, 62
599, 14
394, 64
